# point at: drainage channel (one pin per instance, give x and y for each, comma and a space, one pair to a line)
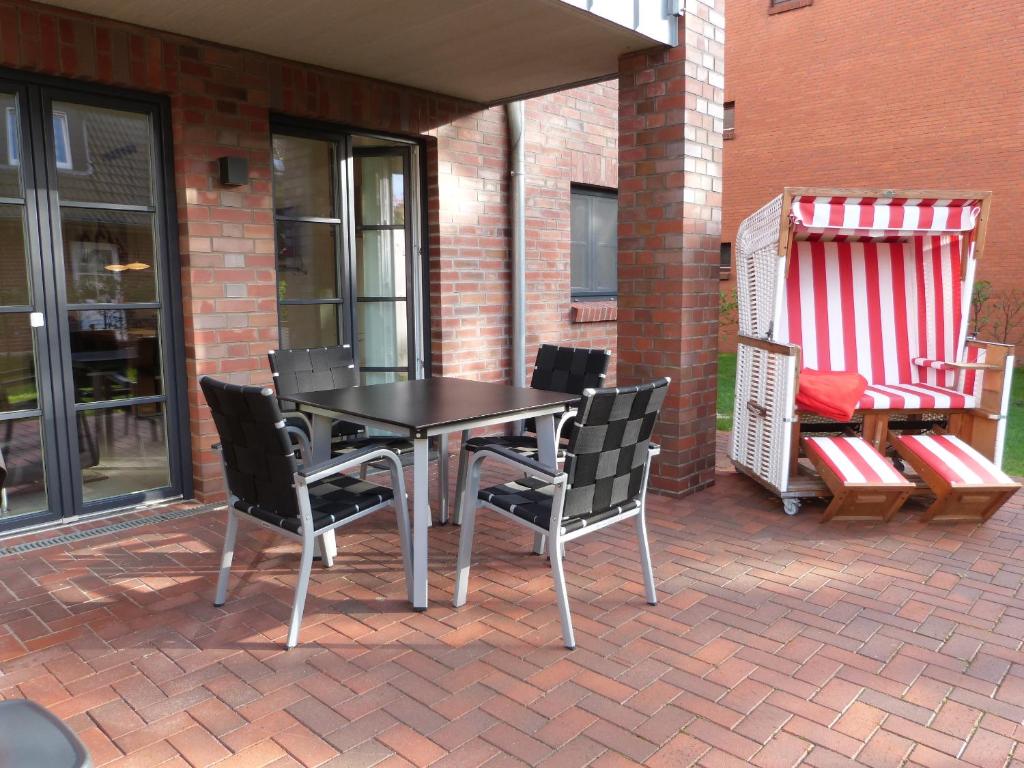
125, 525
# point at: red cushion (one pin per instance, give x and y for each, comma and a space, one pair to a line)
834, 394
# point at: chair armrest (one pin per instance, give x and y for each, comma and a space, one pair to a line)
339, 464
305, 449
653, 449
301, 417
563, 420
775, 347
948, 365
530, 466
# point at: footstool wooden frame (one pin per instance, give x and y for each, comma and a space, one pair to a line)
967, 486
864, 484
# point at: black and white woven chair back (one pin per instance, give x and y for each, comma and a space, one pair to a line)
568, 369
313, 370
608, 449
259, 462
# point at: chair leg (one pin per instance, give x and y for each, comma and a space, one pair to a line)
645, 557
466, 535
460, 480
555, 554
226, 557
299, 603
325, 550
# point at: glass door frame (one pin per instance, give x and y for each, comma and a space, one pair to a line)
40, 293
47, 269
418, 278
411, 275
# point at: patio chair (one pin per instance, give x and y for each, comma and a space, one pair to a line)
556, 369
267, 487
607, 462
32, 736
321, 368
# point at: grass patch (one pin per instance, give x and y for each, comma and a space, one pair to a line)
726, 390
1013, 455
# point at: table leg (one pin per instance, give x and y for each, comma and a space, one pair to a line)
442, 476
420, 521
547, 454
320, 444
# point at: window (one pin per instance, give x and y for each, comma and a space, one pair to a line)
345, 216
724, 260
729, 120
781, 6
61, 140
595, 220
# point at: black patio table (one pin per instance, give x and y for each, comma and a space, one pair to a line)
426, 408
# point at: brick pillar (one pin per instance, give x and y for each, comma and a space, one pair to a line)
670, 196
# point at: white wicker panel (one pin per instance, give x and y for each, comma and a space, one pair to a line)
760, 440
757, 243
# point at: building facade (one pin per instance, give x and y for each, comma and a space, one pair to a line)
876, 94
176, 208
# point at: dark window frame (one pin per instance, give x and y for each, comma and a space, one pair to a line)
781, 6
59, 411
724, 260
729, 120
591, 292
347, 299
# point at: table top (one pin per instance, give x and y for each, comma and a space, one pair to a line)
431, 404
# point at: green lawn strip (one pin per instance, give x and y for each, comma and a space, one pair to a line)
1013, 453
726, 390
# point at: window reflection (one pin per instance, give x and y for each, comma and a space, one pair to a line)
108, 256
115, 354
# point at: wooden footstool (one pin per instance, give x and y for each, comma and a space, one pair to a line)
967, 486
864, 484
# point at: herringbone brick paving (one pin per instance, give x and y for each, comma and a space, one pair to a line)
777, 642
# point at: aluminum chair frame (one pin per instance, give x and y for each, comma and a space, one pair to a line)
307, 535
586, 465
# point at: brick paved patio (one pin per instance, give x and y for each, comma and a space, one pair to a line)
777, 642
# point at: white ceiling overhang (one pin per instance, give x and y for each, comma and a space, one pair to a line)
487, 51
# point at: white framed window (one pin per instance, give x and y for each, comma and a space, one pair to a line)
13, 137
61, 140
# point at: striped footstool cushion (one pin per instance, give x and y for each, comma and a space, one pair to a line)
967, 486
864, 484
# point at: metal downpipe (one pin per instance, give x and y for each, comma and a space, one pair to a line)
515, 112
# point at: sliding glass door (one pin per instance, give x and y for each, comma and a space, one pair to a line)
90, 374
348, 261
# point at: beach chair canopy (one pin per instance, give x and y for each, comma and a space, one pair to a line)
873, 284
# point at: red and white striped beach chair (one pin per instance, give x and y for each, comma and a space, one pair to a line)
867, 281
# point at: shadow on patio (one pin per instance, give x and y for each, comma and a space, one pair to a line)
777, 641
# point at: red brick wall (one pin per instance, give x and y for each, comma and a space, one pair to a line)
878, 93
572, 137
221, 100
670, 189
